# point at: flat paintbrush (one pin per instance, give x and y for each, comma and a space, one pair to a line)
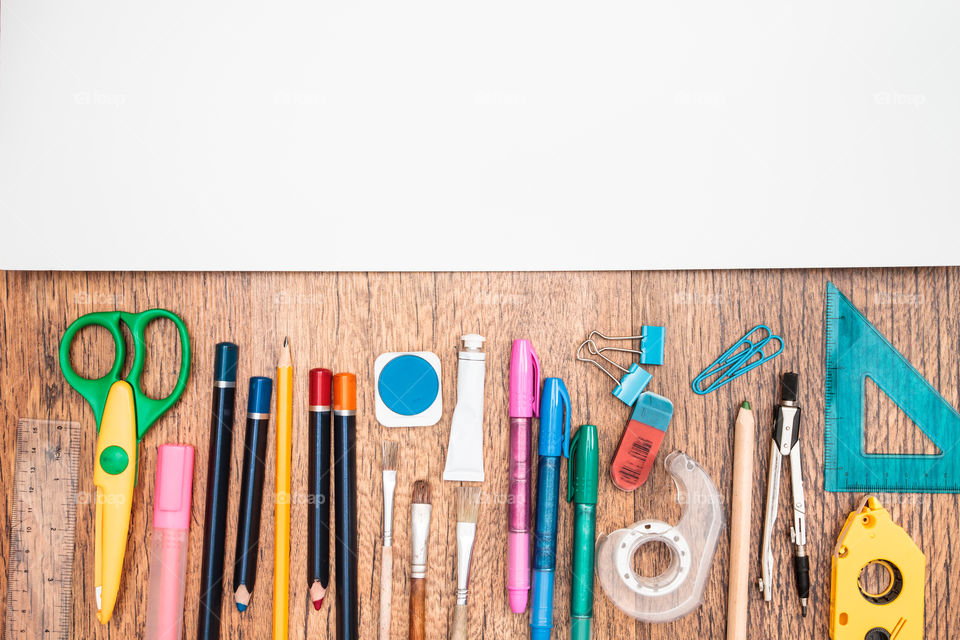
389, 461
468, 506
419, 535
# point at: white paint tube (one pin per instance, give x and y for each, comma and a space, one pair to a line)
465, 449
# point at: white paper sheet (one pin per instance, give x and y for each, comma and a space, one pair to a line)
379, 134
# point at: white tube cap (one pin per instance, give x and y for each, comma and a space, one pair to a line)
473, 341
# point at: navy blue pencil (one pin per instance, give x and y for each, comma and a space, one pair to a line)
218, 482
251, 490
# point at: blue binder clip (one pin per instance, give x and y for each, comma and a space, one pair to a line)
736, 361
633, 381
651, 344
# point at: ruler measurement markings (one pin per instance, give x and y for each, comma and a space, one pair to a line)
855, 349
40, 571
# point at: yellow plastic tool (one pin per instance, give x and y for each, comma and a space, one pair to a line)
871, 537
123, 413
118, 436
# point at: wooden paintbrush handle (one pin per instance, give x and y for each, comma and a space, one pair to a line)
459, 629
418, 594
386, 592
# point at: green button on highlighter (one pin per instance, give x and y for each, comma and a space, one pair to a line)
114, 460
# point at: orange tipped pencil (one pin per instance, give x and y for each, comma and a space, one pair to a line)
345, 504
281, 533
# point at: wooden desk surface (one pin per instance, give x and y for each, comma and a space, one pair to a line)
343, 321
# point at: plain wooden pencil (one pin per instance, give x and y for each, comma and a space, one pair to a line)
740, 511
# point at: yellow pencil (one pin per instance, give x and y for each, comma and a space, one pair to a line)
281, 535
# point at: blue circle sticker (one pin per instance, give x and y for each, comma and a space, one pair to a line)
408, 385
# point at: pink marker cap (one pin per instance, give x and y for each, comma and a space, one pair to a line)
171, 496
524, 380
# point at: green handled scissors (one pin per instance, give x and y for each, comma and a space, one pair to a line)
123, 413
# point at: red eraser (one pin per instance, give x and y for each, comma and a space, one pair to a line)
320, 387
635, 455
641, 440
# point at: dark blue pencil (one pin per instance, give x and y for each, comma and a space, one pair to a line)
251, 490
218, 483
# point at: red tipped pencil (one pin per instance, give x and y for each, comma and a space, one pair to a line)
318, 513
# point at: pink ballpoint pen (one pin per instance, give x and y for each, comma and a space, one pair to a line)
524, 404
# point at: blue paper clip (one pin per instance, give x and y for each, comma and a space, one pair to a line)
735, 361
630, 385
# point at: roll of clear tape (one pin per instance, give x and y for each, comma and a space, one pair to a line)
692, 542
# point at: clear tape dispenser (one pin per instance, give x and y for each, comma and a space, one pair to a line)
692, 543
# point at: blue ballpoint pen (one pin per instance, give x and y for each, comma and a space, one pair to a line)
554, 441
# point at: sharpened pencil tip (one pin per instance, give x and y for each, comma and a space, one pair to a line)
242, 597
317, 592
745, 405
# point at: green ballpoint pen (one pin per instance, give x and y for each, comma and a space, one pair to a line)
582, 478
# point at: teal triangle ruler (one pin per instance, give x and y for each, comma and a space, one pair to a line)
857, 351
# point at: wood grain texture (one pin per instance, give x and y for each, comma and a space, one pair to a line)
343, 321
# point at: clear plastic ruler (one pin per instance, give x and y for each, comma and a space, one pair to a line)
855, 351
43, 520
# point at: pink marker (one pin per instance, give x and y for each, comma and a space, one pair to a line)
168, 549
524, 404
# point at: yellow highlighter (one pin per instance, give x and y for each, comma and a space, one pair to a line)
123, 413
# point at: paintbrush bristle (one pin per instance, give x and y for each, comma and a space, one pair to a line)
468, 504
421, 492
390, 450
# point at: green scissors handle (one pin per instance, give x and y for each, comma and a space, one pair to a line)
95, 390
